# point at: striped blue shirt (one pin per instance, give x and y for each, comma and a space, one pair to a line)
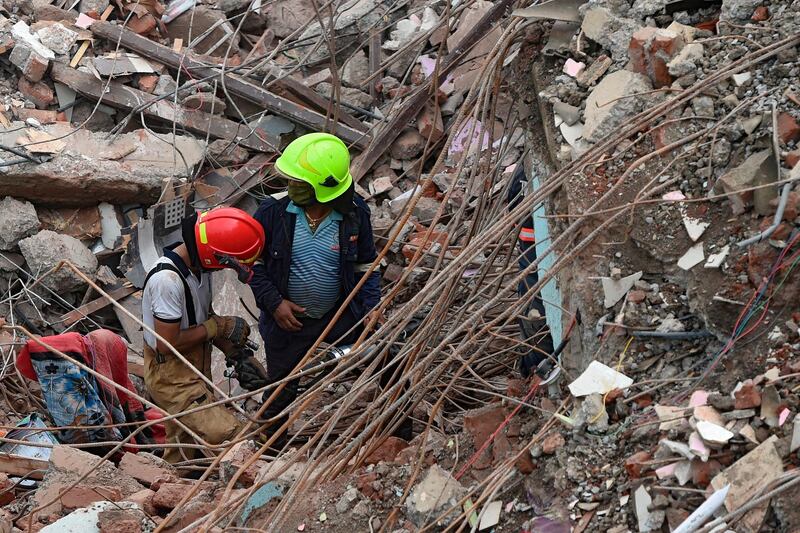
314, 277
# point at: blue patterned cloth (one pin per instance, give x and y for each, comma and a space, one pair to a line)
72, 400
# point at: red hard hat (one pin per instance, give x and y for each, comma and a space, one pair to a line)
228, 233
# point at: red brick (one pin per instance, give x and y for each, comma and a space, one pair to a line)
142, 25
552, 442
44, 116
85, 495
119, 521
37, 92
144, 499
144, 469
501, 449
703, 473
429, 123
366, 485
171, 478
170, 494
788, 129
635, 464
792, 158
482, 422
747, 396
233, 461
525, 464
387, 451
650, 50
760, 14
147, 82
637, 296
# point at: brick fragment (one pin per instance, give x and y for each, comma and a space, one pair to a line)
760, 14
85, 495
147, 82
635, 464
651, 49
119, 521
552, 442
482, 422
6, 491
145, 468
788, 129
44, 116
429, 123
32, 65
792, 158
170, 494
37, 92
144, 499
387, 451
747, 396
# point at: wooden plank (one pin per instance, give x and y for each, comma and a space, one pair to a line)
383, 139
95, 305
235, 84
17, 465
374, 61
122, 96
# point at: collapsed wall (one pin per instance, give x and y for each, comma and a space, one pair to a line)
695, 181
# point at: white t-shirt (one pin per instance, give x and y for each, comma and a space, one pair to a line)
164, 298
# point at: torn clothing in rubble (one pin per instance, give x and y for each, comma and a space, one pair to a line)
75, 397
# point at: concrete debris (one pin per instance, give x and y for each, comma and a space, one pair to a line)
437, 490
615, 289
18, 220
46, 249
609, 105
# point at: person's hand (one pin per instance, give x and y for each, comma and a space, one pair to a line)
250, 373
231, 328
285, 316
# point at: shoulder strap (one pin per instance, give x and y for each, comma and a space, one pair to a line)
186, 290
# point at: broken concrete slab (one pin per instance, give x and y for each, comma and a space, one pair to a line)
93, 169
757, 169
57, 38
750, 474
716, 260
610, 30
607, 107
47, 249
599, 379
437, 490
18, 220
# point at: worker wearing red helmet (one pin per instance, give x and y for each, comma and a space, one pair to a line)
176, 304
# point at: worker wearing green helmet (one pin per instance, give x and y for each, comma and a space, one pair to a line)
319, 246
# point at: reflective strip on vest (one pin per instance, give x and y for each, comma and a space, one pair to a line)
527, 235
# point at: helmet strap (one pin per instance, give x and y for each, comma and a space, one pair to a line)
187, 231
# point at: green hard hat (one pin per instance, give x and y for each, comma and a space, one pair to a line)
321, 160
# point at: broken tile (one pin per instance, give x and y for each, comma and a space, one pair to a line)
671, 417
795, 434
694, 227
641, 503
614, 290
692, 257
749, 433
712, 434
598, 379
491, 515
716, 260
698, 447
573, 68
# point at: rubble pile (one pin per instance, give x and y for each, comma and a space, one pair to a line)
661, 144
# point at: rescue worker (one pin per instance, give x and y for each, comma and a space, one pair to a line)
319, 244
176, 303
533, 326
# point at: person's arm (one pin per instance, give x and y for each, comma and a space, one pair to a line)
180, 339
267, 296
370, 292
167, 300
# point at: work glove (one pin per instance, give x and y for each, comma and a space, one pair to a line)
250, 373
230, 328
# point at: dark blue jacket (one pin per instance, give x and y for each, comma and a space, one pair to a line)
271, 275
